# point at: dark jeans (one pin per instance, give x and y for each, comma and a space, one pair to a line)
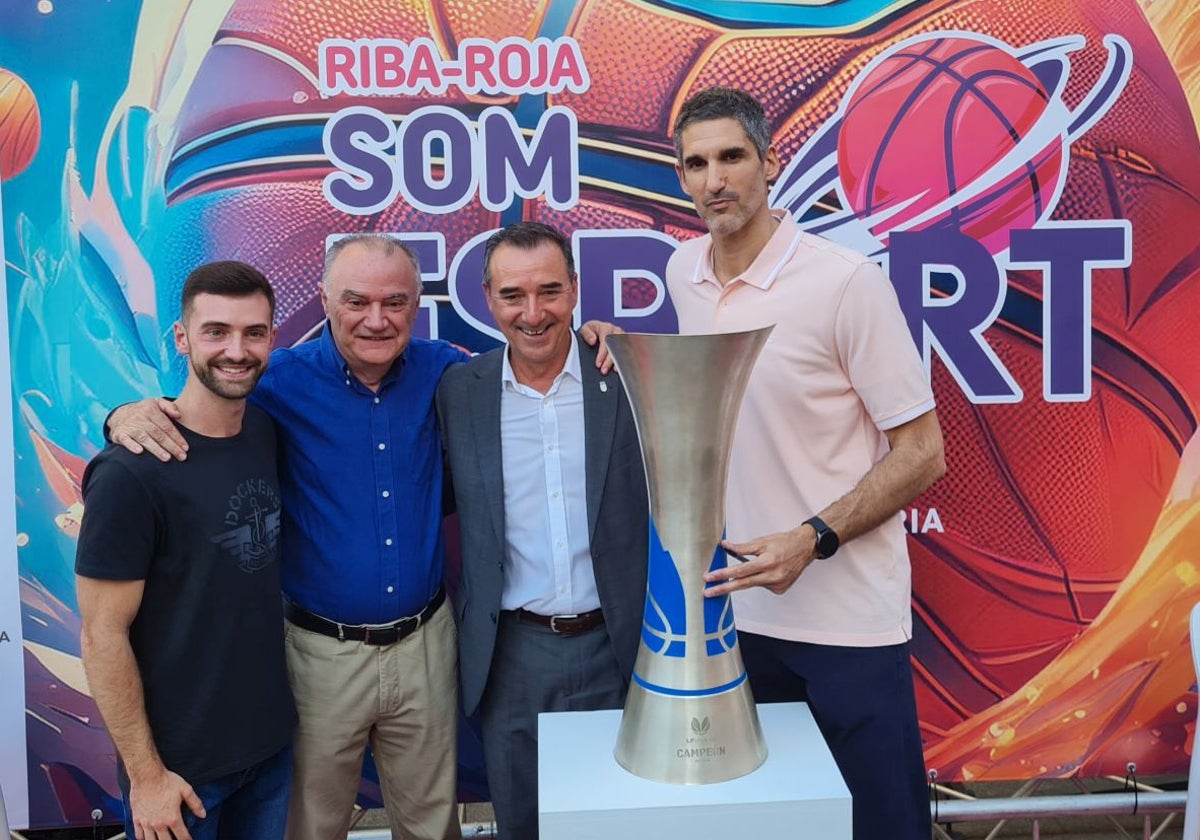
251, 804
864, 704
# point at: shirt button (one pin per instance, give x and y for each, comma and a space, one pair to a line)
382, 447
391, 589
554, 495
376, 399
386, 494
388, 541
562, 543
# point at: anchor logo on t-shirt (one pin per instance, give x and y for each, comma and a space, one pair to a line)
253, 541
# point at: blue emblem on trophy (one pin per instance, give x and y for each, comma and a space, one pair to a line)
664, 627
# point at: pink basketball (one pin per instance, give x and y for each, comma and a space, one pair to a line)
901, 140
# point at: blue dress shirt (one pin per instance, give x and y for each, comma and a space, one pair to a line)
360, 478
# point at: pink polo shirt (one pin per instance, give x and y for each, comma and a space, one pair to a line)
839, 368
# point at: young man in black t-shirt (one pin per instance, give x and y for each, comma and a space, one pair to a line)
178, 584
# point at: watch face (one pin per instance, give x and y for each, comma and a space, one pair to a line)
827, 542
827, 539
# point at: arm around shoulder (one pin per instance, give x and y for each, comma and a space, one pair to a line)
147, 426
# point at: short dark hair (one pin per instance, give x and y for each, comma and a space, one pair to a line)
388, 244
526, 236
227, 278
724, 103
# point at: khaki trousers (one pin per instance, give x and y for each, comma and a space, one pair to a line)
403, 700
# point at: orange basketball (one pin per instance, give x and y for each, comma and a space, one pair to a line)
20, 125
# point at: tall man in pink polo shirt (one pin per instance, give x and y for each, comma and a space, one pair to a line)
836, 435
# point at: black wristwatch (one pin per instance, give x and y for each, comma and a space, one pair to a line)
827, 538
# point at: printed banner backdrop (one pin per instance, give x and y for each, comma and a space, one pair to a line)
1028, 173
14, 781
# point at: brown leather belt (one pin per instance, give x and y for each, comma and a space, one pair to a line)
564, 625
368, 634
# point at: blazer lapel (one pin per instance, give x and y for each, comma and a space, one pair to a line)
600, 397
485, 422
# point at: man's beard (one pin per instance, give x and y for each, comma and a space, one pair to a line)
224, 388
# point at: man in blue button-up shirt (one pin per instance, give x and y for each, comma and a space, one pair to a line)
370, 643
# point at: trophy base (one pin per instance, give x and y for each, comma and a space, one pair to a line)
690, 740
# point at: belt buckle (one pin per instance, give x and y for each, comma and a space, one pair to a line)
382, 636
554, 619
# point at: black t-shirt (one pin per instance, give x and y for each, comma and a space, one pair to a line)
208, 637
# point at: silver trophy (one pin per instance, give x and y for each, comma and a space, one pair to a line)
689, 717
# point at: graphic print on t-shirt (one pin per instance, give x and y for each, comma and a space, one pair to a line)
252, 525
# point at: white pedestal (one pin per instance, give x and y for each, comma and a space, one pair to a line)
584, 794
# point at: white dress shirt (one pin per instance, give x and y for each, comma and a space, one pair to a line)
549, 560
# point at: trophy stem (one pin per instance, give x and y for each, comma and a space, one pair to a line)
689, 717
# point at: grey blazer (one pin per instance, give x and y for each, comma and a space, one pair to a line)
468, 402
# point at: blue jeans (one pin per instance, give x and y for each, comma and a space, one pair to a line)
251, 804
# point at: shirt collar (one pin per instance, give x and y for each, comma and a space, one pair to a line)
333, 360
770, 260
571, 367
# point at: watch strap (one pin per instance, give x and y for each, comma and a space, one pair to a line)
827, 538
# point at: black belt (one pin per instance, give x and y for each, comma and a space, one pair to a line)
368, 634
564, 625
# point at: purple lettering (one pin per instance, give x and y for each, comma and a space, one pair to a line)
465, 284
620, 278
356, 141
549, 165
1066, 255
417, 153
953, 322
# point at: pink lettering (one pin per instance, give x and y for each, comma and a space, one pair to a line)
364, 64
389, 66
542, 63
514, 65
338, 67
568, 68
423, 69
477, 61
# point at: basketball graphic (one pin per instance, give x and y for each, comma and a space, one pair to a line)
20, 125
924, 96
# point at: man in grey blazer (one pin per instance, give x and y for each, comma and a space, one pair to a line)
552, 505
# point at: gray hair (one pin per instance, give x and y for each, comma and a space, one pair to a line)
724, 103
388, 244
